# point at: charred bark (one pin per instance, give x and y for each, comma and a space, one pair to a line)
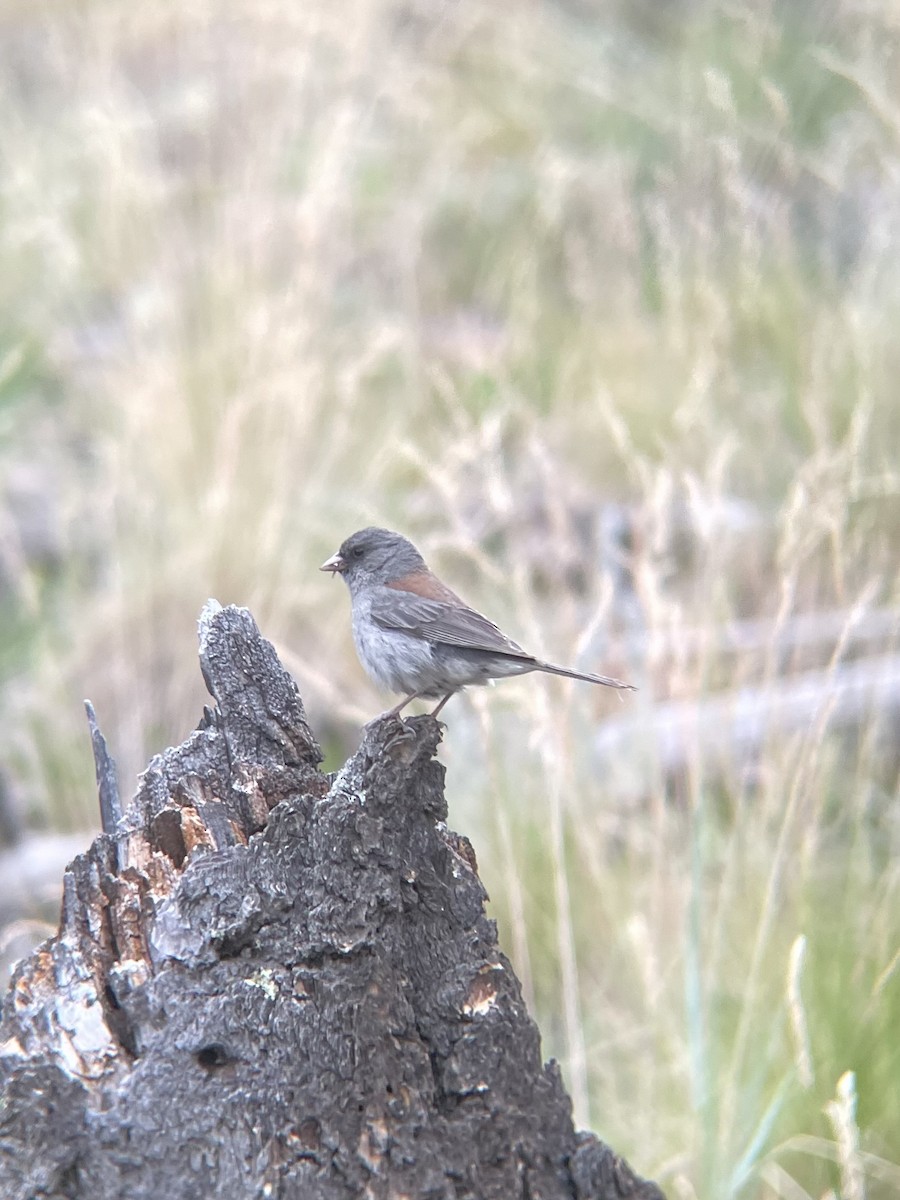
269, 982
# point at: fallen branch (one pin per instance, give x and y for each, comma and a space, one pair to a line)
733, 726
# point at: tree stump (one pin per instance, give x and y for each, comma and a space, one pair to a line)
270, 982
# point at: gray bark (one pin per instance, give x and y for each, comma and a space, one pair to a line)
268, 982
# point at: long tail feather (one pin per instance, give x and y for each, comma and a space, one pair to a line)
604, 679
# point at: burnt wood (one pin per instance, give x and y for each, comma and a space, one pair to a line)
272, 982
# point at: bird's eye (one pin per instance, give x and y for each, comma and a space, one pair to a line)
357, 552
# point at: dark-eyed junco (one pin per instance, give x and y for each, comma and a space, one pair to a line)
413, 635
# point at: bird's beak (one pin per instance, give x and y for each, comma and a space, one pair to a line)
335, 564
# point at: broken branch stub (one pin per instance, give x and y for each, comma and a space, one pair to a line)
270, 982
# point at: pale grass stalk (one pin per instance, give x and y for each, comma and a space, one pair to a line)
748, 1164
695, 1014
884, 107
811, 760
841, 1112
655, 1031
797, 1013
794, 812
875, 1167
684, 1187
783, 1184
794, 809
885, 976
741, 1046
771, 669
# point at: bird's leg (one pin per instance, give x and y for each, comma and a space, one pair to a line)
398, 708
443, 702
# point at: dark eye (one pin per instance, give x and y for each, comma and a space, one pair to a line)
357, 552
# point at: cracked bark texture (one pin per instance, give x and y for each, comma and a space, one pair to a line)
269, 982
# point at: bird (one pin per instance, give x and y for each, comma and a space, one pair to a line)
414, 635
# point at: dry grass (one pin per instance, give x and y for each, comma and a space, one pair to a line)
597, 303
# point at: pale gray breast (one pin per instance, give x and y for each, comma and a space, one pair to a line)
396, 661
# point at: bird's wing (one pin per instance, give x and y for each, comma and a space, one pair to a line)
438, 621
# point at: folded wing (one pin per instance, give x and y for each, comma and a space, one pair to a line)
437, 621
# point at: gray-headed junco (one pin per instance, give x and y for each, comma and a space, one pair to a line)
413, 635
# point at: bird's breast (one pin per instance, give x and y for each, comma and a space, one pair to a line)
396, 661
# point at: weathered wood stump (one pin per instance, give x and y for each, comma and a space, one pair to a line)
268, 982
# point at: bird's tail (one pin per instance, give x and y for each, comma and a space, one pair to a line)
604, 679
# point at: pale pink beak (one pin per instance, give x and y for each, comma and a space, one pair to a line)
335, 564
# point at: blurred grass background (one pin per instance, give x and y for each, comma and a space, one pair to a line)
598, 302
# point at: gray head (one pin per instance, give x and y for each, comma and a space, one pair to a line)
374, 556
